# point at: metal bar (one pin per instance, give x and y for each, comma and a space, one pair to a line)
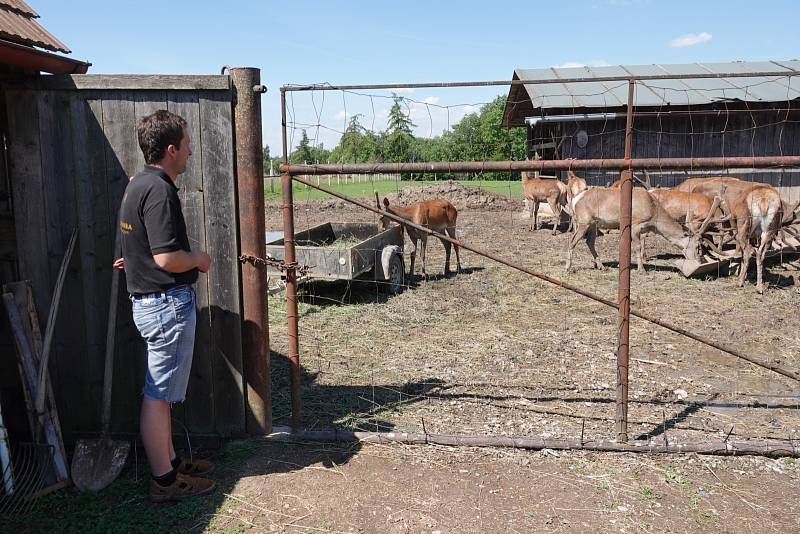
584, 117
578, 79
249, 172
291, 276
291, 297
624, 285
547, 165
773, 449
283, 127
555, 281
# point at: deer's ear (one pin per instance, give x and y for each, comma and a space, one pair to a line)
385, 202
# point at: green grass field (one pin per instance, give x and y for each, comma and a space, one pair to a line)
367, 189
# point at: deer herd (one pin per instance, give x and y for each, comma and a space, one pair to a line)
749, 214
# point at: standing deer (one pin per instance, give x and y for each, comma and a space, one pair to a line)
600, 208
575, 184
549, 190
683, 207
438, 215
733, 187
756, 215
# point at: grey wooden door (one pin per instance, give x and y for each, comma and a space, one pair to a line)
72, 147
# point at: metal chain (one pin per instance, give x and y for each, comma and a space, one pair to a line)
280, 265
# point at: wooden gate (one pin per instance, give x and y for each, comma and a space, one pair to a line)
72, 146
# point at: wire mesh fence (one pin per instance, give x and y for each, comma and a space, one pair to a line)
494, 351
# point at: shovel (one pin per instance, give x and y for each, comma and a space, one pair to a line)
96, 463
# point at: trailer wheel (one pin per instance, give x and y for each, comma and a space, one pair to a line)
396, 281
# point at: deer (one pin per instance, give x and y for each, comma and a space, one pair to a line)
575, 184
600, 208
732, 188
689, 208
438, 215
550, 190
756, 214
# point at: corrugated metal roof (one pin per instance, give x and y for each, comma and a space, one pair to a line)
17, 25
664, 92
20, 6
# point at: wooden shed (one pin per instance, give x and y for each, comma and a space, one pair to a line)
702, 117
70, 149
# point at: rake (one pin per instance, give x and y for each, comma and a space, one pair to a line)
28, 469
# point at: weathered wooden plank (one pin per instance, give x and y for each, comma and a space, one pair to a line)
199, 405
119, 126
223, 278
58, 171
131, 82
88, 145
26, 168
30, 365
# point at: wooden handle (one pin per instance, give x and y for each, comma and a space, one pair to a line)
51, 323
108, 374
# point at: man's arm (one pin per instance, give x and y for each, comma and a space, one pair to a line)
180, 261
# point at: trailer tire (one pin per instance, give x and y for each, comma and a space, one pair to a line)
395, 281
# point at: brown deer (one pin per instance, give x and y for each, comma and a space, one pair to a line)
438, 215
683, 207
756, 214
549, 190
733, 187
600, 208
575, 184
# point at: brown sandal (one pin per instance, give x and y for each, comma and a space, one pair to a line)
195, 467
183, 487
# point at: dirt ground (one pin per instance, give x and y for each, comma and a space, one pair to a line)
494, 351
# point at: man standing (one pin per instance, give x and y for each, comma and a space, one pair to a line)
160, 267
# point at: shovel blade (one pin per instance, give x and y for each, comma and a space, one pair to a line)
97, 463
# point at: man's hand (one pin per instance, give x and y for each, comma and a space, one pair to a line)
119, 263
203, 261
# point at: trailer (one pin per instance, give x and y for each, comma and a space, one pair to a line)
348, 251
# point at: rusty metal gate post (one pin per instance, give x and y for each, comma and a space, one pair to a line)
250, 184
291, 277
624, 288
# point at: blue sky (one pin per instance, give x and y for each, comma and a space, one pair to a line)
354, 42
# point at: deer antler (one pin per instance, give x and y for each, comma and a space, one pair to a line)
377, 200
710, 217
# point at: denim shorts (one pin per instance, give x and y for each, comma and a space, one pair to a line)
166, 320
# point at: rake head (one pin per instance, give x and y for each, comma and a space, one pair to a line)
28, 473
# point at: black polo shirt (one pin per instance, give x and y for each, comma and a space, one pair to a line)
151, 222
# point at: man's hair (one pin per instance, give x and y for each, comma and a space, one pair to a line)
157, 131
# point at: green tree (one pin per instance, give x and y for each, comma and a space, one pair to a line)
398, 136
303, 153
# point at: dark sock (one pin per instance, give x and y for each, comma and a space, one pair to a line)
175, 462
167, 479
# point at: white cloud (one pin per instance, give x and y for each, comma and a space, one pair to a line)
431, 100
690, 39
574, 64
341, 115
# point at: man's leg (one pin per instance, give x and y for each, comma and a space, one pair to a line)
171, 446
156, 437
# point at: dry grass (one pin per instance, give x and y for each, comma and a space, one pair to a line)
495, 351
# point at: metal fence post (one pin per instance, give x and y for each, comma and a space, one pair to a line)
624, 287
250, 184
291, 278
